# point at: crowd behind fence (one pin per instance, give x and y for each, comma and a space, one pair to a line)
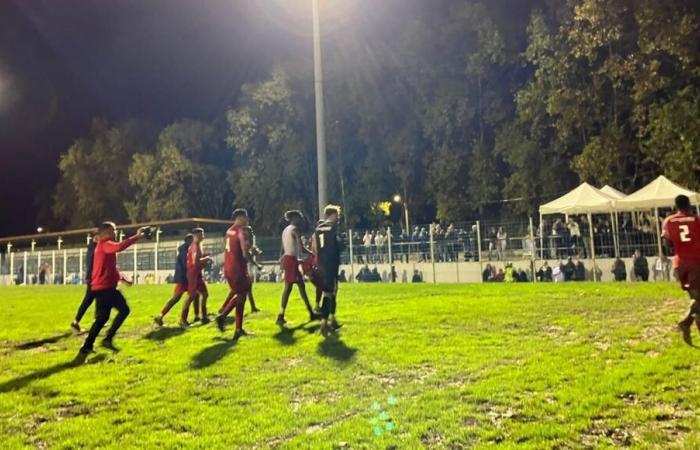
516, 243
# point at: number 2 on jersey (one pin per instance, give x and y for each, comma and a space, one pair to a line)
685, 233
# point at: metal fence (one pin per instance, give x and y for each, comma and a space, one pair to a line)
519, 246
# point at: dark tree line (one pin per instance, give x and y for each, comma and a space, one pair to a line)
455, 107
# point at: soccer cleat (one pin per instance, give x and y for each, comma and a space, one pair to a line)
240, 333
315, 316
158, 320
108, 344
184, 323
76, 326
81, 357
220, 323
196, 319
255, 310
684, 327
335, 326
205, 320
280, 320
325, 330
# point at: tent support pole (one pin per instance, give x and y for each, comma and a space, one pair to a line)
616, 238
590, 235
541, 238
658, 230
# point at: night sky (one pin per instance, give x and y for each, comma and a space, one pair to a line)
64, 62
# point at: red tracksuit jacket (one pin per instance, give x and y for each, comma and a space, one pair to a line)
104, 266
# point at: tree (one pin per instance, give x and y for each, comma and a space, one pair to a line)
93, 183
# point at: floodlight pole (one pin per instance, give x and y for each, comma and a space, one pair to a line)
320, 126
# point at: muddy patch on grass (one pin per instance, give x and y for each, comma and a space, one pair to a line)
599, 433
432, 438
71, 409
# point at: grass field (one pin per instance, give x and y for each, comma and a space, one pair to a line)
451, 366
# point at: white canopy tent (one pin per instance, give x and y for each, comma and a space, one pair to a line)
612, 192
660, 193
585, 199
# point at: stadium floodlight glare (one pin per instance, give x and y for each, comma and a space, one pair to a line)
397, 198
40, 230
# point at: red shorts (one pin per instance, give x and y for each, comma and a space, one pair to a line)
292, 274
238, 283
689, 277
180, 288
195, 285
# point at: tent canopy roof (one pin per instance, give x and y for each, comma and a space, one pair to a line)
582, 200
660, 193
612, 192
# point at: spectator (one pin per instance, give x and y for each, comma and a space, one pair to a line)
619, 270
501, 243
488, 274
569, 270
508, 275
580, 272
558, 273
522, 276
575, 234
500, 276
491, 239
417, 277
341, 277
640, 266
545, 273
662, 269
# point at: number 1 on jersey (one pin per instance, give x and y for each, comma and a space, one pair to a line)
321, 239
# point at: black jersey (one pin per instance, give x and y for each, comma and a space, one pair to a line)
181, 264
328, 244
89, 258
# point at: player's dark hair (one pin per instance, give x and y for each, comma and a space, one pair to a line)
189, 237
292, 215
106, 226
239, 212
330, 210
683, 203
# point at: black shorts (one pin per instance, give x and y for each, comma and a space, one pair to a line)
328, 278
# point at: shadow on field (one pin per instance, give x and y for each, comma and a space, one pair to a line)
49, 340
212, 354
20, 382
334, 348
286, 335
161, 334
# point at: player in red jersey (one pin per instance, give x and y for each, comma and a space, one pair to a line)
196, 286
681, 231
236, 257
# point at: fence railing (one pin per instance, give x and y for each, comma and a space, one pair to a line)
521, 245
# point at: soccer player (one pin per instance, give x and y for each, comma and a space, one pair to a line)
292, 249
681, 231
327, 246
180, 279
310, 269
89, 296
104, 280
196, 286
236, 257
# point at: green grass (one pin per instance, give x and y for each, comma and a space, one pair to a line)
532, 366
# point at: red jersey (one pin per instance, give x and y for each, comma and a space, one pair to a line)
104, 266
194, 259
683, 230
235, 263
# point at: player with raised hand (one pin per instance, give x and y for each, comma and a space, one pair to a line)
105, 278
180, 279
196, 260
292, 250
681, 234
236, 257
326, 245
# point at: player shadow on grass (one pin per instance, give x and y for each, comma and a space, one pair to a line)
334, 348
40, 342
285, 335
164, 333
212, 354
20, 382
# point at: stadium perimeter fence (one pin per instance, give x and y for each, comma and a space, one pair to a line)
460, 252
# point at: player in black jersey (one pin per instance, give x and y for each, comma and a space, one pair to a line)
180, 279
326, 245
